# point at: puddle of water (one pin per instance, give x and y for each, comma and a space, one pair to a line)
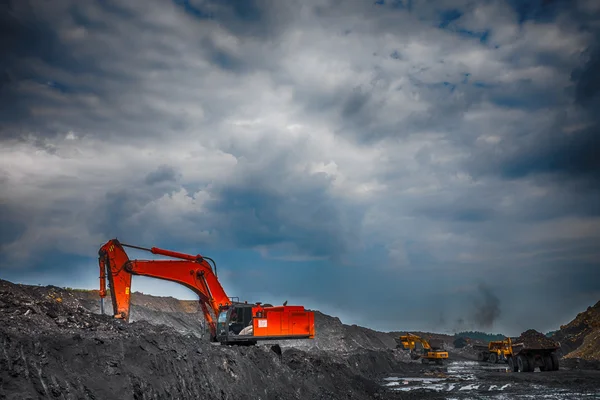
414, 379
551, 396
460, 378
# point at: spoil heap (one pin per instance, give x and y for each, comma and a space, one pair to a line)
580, 338
460, 342
335, 336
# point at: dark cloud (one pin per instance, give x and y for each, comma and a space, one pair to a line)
164, 173
566, 149
539, 10
587, 78
458, 213
266, 209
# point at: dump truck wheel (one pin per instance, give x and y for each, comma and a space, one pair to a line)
493, 358
547, 361
522, 363
531, 360
480, 357
554, 358
512, 366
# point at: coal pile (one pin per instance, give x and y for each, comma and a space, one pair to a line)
460, 342
533, 339
54, 347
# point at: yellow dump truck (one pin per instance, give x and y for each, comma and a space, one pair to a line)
495, 351
520, 357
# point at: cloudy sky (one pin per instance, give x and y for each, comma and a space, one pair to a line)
400, 164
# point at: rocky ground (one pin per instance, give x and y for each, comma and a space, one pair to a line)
55, 344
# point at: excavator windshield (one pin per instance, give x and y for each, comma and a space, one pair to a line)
235, 319
222, 327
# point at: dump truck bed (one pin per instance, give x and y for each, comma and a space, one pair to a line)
517, 347
532, 340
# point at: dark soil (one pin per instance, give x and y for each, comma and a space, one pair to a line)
580, 363
580, 338
52, 347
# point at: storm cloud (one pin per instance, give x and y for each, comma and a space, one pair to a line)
351, 156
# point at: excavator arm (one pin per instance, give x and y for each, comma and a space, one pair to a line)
194, 272
409, 341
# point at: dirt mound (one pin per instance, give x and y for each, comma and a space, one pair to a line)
335, 336
460, 342
55, 347
533, 339
580, 338
589, 349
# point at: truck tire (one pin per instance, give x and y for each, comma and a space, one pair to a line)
493, 358
547, 363
480, 356
522, 363
512, 364
531, 359
554, 358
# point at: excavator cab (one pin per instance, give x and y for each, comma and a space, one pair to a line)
233, 319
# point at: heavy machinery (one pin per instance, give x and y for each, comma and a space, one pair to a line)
496, 351
427, 352
520, 357
236, 322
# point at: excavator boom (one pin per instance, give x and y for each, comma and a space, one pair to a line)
195, 273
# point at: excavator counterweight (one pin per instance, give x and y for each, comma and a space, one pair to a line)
236, 322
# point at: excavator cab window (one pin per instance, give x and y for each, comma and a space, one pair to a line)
239, 318
222, 323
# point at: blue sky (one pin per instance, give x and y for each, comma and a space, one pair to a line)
403, 165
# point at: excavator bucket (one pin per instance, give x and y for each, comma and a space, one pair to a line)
119, 280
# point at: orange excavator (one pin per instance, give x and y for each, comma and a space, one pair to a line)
240, 323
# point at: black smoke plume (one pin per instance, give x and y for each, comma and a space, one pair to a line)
487, 307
